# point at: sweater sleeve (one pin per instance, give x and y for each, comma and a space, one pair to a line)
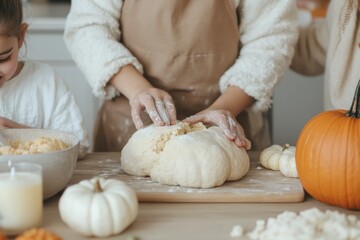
268, 33
310, 51
92, 35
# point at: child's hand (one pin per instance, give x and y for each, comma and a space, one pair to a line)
157, 103
226, 121
7, 123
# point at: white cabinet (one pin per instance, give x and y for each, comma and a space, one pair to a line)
47, 45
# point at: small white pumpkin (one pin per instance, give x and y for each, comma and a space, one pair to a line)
281, 158
269, 157
287, 163
98, 207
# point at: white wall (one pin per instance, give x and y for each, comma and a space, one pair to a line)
296, 100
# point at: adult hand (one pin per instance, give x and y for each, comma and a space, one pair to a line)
7, 123
157, 103
226, 121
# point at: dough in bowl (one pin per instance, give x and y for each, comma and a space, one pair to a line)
185, 155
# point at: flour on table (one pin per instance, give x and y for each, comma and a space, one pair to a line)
185, 155
308, 224
237, 232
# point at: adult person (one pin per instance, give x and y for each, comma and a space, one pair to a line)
203, 60
332, 47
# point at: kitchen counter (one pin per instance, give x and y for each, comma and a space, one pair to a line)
157, 221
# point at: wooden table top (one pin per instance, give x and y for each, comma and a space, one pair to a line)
186, 220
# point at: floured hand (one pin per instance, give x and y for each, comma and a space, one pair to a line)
157, 103
226, 121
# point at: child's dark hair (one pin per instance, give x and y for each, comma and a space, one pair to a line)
11, 17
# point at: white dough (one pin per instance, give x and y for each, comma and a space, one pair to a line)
185, 155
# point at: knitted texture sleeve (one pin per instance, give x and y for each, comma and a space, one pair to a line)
92, 35
268, 34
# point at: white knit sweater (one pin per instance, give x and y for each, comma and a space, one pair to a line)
39, 98
268, 33
331, 47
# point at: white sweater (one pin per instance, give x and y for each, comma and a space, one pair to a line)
37, 97
331, 47
268, 33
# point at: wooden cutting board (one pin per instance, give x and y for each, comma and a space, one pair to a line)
259, 185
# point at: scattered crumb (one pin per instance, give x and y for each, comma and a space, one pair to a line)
308, 224
130, 237
237, 232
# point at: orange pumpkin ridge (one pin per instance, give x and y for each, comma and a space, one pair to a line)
328, 157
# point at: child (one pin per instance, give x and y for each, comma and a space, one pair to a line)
205, 60
32, 94
332, 46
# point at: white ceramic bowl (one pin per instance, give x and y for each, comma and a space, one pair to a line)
58, 167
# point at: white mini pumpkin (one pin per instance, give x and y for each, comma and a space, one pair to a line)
98, 207
269, 157
281, 158
287, 163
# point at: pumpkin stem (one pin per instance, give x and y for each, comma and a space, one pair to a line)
285, 146
355, 106
97, 186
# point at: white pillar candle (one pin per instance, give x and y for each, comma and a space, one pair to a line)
21, 202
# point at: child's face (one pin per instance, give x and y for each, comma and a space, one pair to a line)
9, 49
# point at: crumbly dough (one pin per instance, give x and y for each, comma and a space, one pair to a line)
185, 155
237, 232
308, 224
38, 145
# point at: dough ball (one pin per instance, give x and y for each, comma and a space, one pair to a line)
185, 155
142, 151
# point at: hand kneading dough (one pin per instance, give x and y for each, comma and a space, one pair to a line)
189, 156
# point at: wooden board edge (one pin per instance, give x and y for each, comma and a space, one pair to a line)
214, 198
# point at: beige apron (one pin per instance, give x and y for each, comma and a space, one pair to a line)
185, 47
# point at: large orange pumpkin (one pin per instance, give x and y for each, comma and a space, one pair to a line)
328, 156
